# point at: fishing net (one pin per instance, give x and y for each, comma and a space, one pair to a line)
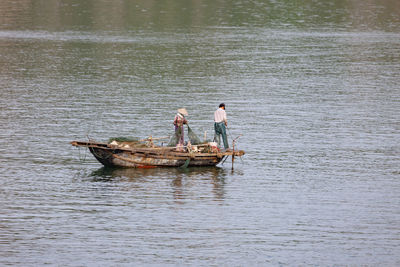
175, 137
193, 138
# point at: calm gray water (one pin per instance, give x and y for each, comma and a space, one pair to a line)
313, 86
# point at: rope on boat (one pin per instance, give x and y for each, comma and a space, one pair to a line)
84, 155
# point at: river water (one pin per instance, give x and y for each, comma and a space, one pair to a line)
312, 87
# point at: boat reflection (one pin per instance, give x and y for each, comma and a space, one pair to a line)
185, 177
182, 182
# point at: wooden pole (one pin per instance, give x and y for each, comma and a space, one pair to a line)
233, 153
233, 149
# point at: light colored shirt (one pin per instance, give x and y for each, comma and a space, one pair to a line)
220, 116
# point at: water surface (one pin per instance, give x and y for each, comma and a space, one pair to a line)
313, 87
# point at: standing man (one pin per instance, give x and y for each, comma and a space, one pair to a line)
220, 123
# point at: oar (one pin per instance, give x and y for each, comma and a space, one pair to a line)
223, 161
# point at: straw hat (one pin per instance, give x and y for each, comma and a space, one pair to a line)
183, 111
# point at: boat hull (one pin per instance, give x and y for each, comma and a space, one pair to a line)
110, 155
136, 160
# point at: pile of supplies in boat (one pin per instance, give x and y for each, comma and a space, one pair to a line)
150, 142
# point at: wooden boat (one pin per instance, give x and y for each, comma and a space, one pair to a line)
136, 156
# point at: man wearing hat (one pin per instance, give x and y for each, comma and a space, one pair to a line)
220, 123
179, 121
